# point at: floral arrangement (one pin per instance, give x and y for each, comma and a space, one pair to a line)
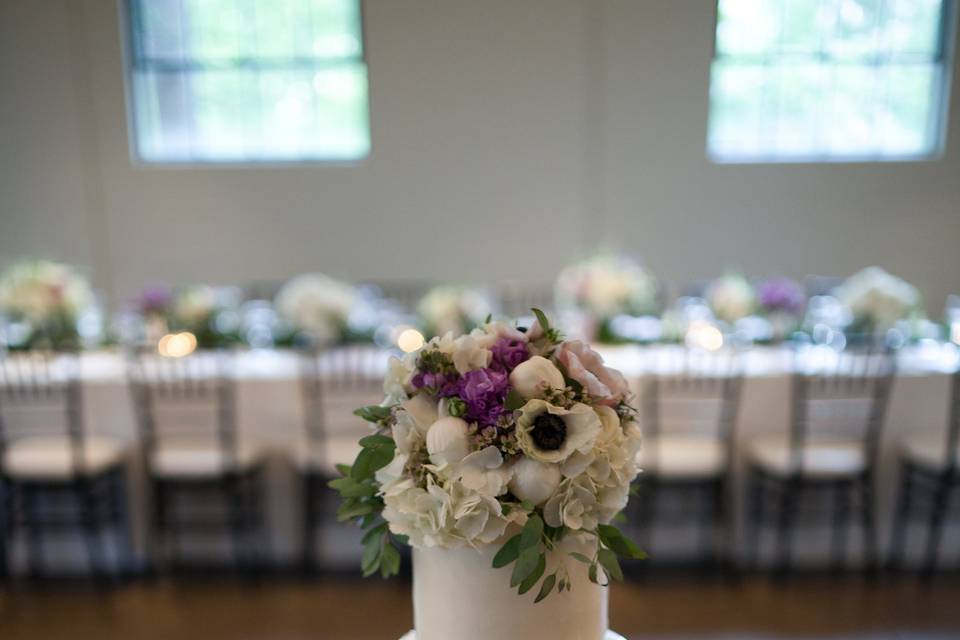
453, 309
877, 299
780, 295
46, 300
318, 306
209, 313
605, 286
501, 436
731, 297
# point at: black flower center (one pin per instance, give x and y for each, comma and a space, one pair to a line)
549, 432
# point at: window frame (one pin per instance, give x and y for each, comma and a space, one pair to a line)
126, 12
947, 34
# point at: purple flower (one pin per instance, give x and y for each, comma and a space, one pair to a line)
155, 298
508, 353
484, 391
443, 384
781, 295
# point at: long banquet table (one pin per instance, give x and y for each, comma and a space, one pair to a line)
270, 414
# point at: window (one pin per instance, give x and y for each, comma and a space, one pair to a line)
247, 81
829, 80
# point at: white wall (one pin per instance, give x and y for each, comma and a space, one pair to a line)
507, 135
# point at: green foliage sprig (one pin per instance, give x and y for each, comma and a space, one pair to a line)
360, 502
527, 552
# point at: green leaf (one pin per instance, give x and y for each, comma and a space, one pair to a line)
369, 461
370, 561
592, 574
488, 319
509, 552
389, 561
514, 400
608, 559
546, 587
535, 576
375, 441
373, 413
582, 558
350, 488
378, 530
526, 564
351, 509
542, 319
612, 538
532, 531
343, 469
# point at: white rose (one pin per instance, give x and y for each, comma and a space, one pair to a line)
535, 375
447, 441
534, 480
549, 433
470, 354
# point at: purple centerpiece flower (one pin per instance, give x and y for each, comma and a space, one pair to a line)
484, 391
155, 299
781, 295
508, 353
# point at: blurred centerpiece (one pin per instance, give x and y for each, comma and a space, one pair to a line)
609, 299
43, 305
321, 311
879, 303
453, 309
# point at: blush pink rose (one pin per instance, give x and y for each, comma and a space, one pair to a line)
583, 364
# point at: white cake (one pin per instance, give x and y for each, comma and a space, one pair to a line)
458, 595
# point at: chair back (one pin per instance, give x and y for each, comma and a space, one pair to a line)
839, 398
187, 400
40, 397
337, 381
693, 394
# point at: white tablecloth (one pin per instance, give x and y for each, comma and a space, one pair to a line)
270, 413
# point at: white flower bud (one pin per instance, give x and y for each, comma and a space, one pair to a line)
534, 480
533, 376
447, 441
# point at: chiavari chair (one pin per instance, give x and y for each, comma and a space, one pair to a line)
194, 456
54, 474
838, 406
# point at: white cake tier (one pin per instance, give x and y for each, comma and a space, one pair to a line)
458, 595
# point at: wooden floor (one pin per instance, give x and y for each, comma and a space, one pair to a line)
374, 610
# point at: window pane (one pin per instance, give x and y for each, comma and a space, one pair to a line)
247, 80
822, 79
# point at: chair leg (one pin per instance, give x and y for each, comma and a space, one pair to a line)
786, 515
5, 514
309, 547
31, 499
901, 518
233, 492
121, 522
841, 525
85, 492
869, 525
257, 520
756, 518
157, 528
938, 509
708, 521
